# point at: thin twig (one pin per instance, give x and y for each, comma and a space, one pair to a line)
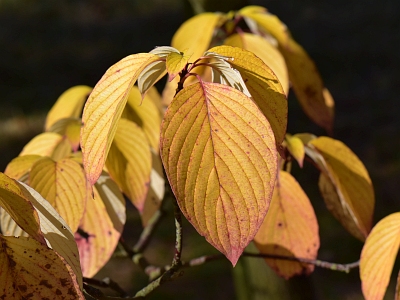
147, 232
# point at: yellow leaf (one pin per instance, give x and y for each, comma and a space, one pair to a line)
305, 137
102, 224
70, 128
345, 185
129, 162
20, 165
303, 73
104, 108
219, 154
264, 87
289, 229
296, 148
68, 105
15, 200
264, 50
196, 33
175, 63
49, 144
145, 114
30, 270
378, 256
63, 184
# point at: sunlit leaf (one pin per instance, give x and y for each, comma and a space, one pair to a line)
15, 200
145, 114
264, 87
289, 229
49, 144
219, 153
345, 185
264, 50
129, 162
378, 257
68, 105
296, 148
303, 73
20, 165
63, 184
104, 108
70, 128
305, 137
175, 63
30, 270
102, 226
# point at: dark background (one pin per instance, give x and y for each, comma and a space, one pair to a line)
48, 46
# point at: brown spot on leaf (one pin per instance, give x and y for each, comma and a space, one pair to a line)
58, 292
22, 288
47, 266
11, 262
37, 251
310, 91
45, 283
63, 281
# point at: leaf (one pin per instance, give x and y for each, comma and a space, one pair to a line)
102, 224
104, 108
175, 63
69, 128
30, 270
219, 154
145, 114
20, 165
129, 162
264, 87
68, 105
15, 200
305, 137
63, 184
348, 193
49, 144
378, 256
289, 229
264, 50
150, 75
397, 296
303, 73
296, 148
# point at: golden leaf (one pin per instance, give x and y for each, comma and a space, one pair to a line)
175, 63
296, 148
20, 166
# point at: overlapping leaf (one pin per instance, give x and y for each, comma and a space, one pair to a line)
303, 73
102, 224
289, 229
129, 162
70, 128
63, 184
175, 63
219, 153
20, 166
264, 87
104, 108
30, 270
345, 185
296, 148
68, 105
264, 50
378, 256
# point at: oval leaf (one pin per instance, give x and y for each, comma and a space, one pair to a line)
20, 165
129, 162
68, 105
296, 148
101, 226
219, 153
63, 184
104, 108
70, 128
378, 256
289, 229
175, 63
263, 85
30, 270
348, 192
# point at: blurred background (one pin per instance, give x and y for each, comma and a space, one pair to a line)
48, 46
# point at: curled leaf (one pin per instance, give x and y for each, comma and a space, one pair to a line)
296, 148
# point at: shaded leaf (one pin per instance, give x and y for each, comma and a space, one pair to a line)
175, 63
20, 166
397, 296
68, 105
150, 75
219, 153
345, 185
378, 256
70, 128
305, 137
49, 144
63, 184
296, 148
289, 229
269, 54
102, 224
30, 270
303, 73
264, 87
129, 162
104, 108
